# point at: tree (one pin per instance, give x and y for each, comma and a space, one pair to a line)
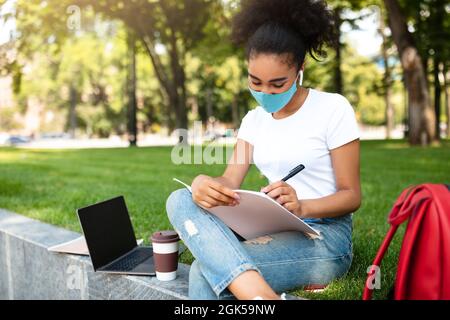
429, 25
422, 129
166, 29
177, 26
387, 78
222, 62
438, 31
131, 88
339, 8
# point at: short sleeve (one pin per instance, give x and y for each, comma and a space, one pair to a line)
343, 127
247, 128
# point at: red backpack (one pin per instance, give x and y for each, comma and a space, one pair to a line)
423, 270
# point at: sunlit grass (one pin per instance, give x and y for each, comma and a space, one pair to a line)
50, 185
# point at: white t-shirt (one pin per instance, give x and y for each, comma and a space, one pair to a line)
325, 122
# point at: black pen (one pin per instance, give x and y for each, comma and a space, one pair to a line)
292, 173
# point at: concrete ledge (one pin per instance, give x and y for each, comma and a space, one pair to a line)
29, 271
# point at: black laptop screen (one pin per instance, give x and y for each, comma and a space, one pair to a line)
108, 230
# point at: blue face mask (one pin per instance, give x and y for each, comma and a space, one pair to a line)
273, 103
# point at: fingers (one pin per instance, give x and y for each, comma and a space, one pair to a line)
217, 195
284, 199
289, 206
275, 193
209, 193
283, 193
204, 204
273, 186
216, 203
224, 190
207, 201
288, 202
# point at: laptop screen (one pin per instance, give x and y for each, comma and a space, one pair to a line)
108, 230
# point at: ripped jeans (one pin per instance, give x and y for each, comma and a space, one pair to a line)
286, 260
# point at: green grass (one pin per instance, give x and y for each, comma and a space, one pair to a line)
49, 185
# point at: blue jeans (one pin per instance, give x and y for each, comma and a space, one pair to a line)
286, 260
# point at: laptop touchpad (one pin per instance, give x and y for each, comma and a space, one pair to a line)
146, 266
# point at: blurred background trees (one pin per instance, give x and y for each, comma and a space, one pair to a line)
111, 67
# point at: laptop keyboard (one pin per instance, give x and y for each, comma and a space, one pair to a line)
132, 260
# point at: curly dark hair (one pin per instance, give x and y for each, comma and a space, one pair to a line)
293, 27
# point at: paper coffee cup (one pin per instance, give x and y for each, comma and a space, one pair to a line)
165, 254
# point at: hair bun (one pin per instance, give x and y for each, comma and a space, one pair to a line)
311, 20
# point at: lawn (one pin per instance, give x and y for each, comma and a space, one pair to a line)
49, 185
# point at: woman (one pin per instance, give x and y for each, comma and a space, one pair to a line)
293, 125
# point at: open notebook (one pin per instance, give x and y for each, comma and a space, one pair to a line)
258, 215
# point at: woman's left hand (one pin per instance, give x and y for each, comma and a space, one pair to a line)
285, 195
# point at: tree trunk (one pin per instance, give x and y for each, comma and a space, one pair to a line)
422, 129
235, 111
181, 119
209, 104
338, 82
171, 77
387, 81
131, 89
178, 91
193, 103
72, 111
175, 89
437, 95
161, 74
406, 110
420, 31
447, 97
437, 23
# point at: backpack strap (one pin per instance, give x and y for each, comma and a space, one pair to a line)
399, 213
368, 288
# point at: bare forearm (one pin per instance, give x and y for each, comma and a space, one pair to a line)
341, 203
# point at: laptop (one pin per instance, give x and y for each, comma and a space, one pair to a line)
111, 240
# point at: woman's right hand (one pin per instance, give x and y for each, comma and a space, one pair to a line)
208, 193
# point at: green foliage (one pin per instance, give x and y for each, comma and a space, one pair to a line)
429, 33
362, 82
7, 121
93, 59
362, 85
